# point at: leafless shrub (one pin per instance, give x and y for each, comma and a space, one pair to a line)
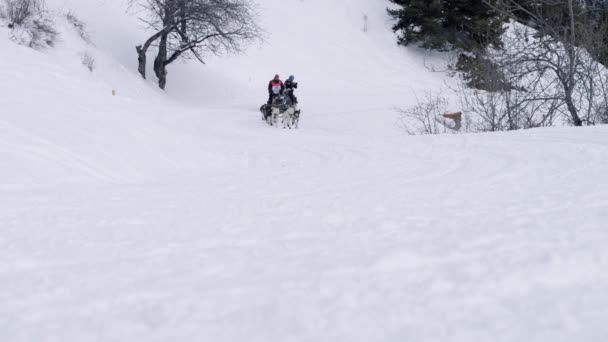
43, 33
499, 96
426, 116
79, 26
30, 23
88, 61
19, 11
506, 110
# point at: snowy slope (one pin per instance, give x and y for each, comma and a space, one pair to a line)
182, 217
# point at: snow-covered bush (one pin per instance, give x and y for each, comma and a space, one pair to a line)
18, 11
79, 26
3, 15
88, 61
30, 23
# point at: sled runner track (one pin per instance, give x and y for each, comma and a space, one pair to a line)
342, 222
351, 111
41, 149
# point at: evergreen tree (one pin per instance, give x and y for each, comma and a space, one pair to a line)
466, 25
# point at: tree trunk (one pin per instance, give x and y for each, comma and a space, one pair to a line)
160, 63
576, 120
141, 61
142, 50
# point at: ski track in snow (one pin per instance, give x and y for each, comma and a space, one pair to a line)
183, 217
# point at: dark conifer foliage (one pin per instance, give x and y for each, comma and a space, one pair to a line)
466, 25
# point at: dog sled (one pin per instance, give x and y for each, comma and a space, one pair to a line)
283, 111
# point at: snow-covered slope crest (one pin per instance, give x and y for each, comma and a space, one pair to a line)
340, 48
61, 123
145, 216
348, 49
336, 62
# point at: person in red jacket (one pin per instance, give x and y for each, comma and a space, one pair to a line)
275, 88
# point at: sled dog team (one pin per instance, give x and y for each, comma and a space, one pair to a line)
281, 103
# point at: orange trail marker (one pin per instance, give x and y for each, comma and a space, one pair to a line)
452, 115
456, 117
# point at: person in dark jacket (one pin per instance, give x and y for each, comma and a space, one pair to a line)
275, 88
290, 84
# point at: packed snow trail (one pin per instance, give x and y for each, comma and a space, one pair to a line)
486, 237
146, 217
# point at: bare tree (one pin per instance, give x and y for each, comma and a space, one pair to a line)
186, 29
552, 60
547, 72
499, 95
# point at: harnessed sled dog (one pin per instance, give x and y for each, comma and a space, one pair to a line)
283, 110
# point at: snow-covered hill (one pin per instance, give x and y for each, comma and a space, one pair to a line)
148, 216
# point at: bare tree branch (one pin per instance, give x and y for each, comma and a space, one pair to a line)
192, 29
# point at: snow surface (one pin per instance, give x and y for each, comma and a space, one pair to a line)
183, 217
